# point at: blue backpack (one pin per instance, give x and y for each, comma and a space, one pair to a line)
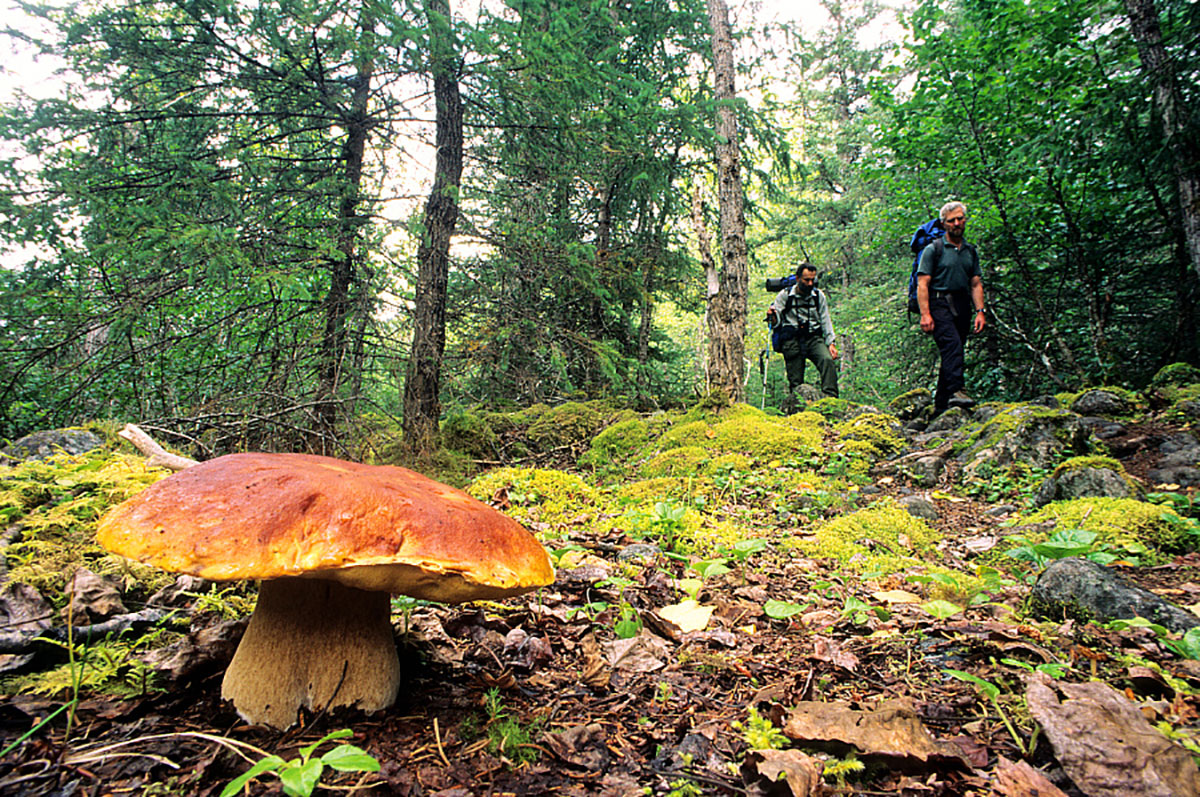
926, 234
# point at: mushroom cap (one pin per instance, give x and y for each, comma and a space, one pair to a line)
264, 516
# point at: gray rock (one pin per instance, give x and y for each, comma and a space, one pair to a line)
926, 471
919, 506
1083, 483
1000, 510
1182, 475
1085, 590
1103, 428
1189, 408
1038, 437
639, 552
948, 420
910, 405
1046, 400
1100, 402
1181, 441
43, 445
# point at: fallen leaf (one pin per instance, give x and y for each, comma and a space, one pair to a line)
892, 729
896, 596
688, 615
596, 673
830, 651
581, 746
1105, 744
802, 772
642, 653
1022, 780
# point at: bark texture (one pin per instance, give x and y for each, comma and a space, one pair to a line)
727, 308
422, 384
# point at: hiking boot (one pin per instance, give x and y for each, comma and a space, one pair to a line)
961, 399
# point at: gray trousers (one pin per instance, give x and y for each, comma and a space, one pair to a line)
798, 351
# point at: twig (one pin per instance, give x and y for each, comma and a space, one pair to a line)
437, 737
19, 643
156, 455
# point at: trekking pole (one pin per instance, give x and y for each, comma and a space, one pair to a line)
764, 362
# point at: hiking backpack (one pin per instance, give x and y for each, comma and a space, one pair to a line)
926, 234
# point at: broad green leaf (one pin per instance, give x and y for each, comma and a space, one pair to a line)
268, 764
299, 781
348, 758
781, 610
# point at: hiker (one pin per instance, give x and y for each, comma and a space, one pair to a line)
950, 298
800, 317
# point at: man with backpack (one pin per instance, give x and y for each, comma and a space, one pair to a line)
802, 331
950, 299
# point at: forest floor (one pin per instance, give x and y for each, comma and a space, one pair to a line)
568, 692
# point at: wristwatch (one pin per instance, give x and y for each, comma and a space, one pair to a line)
981, 310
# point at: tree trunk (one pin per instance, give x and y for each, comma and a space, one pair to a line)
422, 407
345, 265
1170, 103
727, 308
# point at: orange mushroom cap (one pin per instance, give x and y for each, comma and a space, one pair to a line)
265, 516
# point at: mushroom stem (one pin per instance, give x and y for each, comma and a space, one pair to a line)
316, 644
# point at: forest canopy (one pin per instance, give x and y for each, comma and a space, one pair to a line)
226, 235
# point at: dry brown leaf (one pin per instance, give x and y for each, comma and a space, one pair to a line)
803, 772
595, 670
642, 653
1022, 780
892, 729
687, 615
827, 650
1105, 743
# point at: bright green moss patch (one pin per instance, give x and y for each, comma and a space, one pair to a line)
883, 535
871, 433
1116, 521
732, 464
57, 504
617, 443
763, 438
693, 433
535, 494
681, 461
1175, 375
831, 408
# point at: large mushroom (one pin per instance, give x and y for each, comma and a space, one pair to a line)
330, 540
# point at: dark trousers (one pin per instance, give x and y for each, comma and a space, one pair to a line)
797, 351
951, 323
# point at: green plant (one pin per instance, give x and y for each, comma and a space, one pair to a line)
941, 609
781, 610
839, 768
760, 733
992, 693
684, 788
1055, 669
1187, 646
667, 523
628, 623
506, 735
1071, 542
300, 775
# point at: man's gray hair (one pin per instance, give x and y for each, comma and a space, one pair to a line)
951, 206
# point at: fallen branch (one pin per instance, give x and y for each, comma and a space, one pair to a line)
16, 642
156, 455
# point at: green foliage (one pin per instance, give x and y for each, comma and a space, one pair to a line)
760, 733
1175, 375
469, 433
992, 693
506, 735
895, 538
1118, 522
109, 667
877, 433
616, 443
300, 776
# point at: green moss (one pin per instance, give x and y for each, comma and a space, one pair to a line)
617, 443
729, 463
1009, 419
831, 408
1116, 521
693, 433
58, 503
1175, 375
681, 461
872, 537
536, 494
871, 433
565, 424
649, 490
469, 433
763, 438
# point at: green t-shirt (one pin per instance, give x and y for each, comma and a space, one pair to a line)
954, 272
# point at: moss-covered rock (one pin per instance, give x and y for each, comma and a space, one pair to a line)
1175, 375
469, 433
681, 461
1119, 522
875, 434
573, 423
1108, 401
910, 405
1039, 436
617, 443
1087, 477
883, 537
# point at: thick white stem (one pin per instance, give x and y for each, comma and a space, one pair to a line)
313, 644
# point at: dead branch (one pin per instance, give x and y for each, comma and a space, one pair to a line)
156, 455
81, 634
